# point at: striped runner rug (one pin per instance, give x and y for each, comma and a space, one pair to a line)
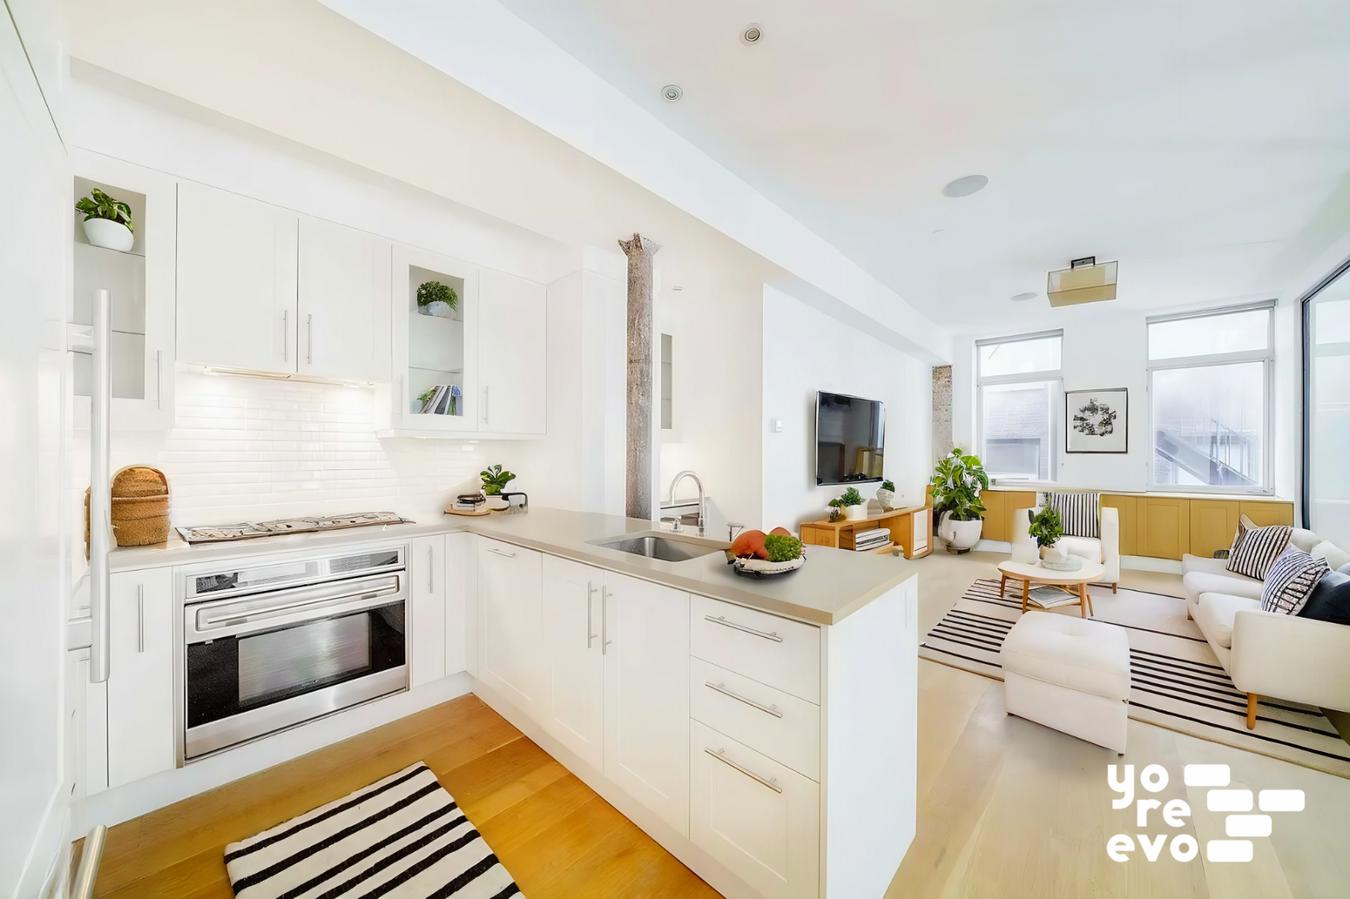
1176, 680
401, 836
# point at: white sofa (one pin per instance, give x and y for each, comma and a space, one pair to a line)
1104, 549
1266, 653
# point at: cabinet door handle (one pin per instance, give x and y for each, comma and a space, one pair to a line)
431, 570
766, 709
159, 379
495, 551
590, 594
140, 618
309, 339
604, 621
744, 628
719, 754
285, 335
485, 404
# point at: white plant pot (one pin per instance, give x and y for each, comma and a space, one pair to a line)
855, 513
439, 309
1054, 554
886, 498
497, 504
109, 234
960, 535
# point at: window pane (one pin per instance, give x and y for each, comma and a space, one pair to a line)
1209, 426
1329, 412
1234, 332
1019, 356
1015, 429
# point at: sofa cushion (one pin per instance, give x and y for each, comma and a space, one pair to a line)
1256, 549
1291, 581
1330, 600
1216, 613
1191, 563
1077, 653
1304, 539
1335, 556
1079, 512
1198, 582
1083, 547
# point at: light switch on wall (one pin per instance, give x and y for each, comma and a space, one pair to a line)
776, 425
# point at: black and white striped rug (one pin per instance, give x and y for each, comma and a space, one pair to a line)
1176, 680
401, 836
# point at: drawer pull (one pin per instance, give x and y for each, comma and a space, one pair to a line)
766, 709
718, 754
743, 628
497, 552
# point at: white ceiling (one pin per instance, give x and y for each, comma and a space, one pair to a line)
1196, 142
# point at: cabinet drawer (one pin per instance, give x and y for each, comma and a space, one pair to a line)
776, 651
778, 724
757, 817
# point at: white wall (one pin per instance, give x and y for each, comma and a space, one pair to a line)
806, 351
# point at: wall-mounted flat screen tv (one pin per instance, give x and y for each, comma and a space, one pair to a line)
850, 438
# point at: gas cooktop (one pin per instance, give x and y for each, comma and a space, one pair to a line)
250, 529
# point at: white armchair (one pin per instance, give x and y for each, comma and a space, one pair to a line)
1104, 549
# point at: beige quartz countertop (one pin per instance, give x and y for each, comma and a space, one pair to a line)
831, 585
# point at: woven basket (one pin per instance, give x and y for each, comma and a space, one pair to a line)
140, 507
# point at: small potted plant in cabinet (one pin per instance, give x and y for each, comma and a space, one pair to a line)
107, 221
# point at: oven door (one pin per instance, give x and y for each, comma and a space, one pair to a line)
260, 664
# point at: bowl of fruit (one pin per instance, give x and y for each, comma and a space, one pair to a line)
757, 554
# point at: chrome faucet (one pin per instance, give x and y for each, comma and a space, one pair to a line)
702, 499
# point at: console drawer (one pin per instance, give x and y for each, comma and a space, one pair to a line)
776, 651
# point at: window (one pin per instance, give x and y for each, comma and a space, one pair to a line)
1018, 384
1326, 408
1209, 392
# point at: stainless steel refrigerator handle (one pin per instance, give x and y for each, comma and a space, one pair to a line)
100, 524
285, 335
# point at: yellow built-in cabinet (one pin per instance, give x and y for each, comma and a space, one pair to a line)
1161, 526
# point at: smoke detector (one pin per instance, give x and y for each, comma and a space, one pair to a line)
671, 93
752, 34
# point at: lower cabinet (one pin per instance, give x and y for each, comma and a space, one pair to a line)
427, 574
510, 623
574, 658
139, 690
759, 818
86, 736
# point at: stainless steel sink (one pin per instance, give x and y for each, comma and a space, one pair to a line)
660, 546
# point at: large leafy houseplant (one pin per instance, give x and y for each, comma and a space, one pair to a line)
957, 483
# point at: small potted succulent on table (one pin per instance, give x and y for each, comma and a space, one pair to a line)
495, 480
107, 221
1046, 528
437, 299
886, 495
836, 509
854, 507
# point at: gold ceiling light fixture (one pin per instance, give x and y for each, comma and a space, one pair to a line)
1084, 281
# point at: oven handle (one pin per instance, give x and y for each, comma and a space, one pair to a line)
321, 603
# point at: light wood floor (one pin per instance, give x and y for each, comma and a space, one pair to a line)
1006, 807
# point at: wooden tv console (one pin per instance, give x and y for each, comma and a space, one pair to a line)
911, 531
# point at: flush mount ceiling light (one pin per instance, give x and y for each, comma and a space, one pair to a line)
1024, 296
752, 33
965, 186
671, 93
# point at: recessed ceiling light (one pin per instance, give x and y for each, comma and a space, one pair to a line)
965, 186
671, 93
1024, 296
752, 33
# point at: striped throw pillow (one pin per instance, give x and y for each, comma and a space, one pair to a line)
1078, 511
1290, 581
1256, 549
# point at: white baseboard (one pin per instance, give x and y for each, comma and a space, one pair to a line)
42, 870
123, 803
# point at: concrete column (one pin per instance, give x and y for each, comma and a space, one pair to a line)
638, 458
942, 411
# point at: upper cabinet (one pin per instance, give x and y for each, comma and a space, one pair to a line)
140, 281
343, 316
236, 281
511, 354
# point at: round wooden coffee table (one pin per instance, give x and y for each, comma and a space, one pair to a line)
1073, 582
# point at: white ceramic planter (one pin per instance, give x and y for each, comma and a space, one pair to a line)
886, 498
497, 504
109, 234
438, 309
960, 535
855, 513
1054, 554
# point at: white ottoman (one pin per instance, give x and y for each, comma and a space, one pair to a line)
1069, 673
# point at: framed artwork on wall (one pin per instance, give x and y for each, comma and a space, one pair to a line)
1097, 421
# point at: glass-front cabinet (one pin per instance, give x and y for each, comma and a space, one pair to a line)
137, 270
435, 320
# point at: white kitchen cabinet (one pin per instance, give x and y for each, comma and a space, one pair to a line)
86, 737
236, 281
461, 577
140, 688
573, 658
512, 354
644, 631
510, 623
427, 596
141, 288
759, 818
343, 316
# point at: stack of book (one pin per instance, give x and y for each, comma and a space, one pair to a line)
443, 399
865, 541
468, 502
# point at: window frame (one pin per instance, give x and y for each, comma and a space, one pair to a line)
1267, 359
1056, 378
1305, 375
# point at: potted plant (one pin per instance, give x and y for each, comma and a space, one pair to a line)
852, 503
1047, 527
435, 298
835, 506
107, 221
494, 479
886, 495
957, 483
